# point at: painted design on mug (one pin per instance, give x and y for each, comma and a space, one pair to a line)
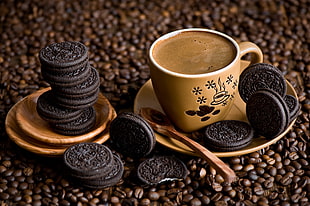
220, 97
197, 90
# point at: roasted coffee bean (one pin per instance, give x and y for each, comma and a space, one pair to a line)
216, 197
187, 198
258, 190
286, 180
153, 196
205, 200
138, 193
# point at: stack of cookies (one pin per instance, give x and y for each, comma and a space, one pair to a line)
68, 106
93, 165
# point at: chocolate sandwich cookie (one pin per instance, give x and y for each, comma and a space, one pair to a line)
110, 179
69, 69
267, 113
63, 54
259, 76
78, 102
88, 85
131, 135
293, 106
50, 111
83, 124
161, 168
63, 78
88, 159
228, 135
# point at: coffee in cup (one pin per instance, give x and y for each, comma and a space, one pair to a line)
194, 52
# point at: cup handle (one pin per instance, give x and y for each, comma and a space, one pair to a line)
249, 47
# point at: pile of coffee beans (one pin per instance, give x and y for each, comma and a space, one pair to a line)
118, 34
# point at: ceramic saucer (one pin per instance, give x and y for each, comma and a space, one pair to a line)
146, 98
55, 145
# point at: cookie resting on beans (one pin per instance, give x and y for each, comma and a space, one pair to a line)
158, 169
131, 135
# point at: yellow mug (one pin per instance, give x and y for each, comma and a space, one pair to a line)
195, 74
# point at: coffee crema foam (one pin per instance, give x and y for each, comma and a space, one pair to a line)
194, 52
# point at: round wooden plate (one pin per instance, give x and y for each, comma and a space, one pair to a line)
34, 126
146, 98
48, 148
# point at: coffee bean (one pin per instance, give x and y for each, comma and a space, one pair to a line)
293, 156
153, 196
138, 193
258, 190
195, 202
205, 200
268, 184
286, 180
216, 197
237, 167
145, 201
248, 167
187, 198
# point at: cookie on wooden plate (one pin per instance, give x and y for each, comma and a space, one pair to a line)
88, 85
77, 102
81, 125
63, 54
49, 110
63, 78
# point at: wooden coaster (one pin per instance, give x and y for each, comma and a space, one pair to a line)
34, 134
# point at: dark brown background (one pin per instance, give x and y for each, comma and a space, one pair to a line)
118, 34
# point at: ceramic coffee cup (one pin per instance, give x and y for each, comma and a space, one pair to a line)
195, 74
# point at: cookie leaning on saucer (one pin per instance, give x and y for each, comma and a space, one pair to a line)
293, 106
131, 135
260, 76
228, 135
267, 113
